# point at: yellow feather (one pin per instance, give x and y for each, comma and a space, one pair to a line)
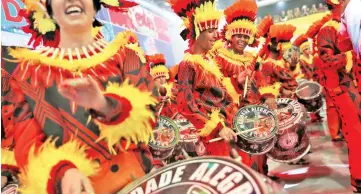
35, 58
137, 127
231, 90
114, 3
35, 176
7, 157
307, 60
349, 61
159, 69
205, 65
273, 89
43, 23
234, 58
206, 12
211, 123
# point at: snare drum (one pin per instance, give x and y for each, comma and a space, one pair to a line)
310, 95
166, 137
258, 141
206, 175
293, 142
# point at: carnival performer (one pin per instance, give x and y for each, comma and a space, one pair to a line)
201, 98
334, 71
165, 84
236, 63
305, 65
73, 133
333, 117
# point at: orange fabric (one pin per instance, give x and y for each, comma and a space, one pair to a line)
333, 119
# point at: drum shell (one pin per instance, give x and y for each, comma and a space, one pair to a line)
310, 97
256, 148
161, 153
296, 150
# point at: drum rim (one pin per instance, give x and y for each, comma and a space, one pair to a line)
261, 184
295, 159
174, 143
261, 153
311, 97
257, 140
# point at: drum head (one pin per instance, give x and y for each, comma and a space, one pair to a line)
256, 116
308, 90
206, 175
188, 133
289, 112
10, 189
166, 134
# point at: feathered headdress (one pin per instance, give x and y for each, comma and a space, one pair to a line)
281, 35
43, 28
302, 42
157, 66
240, 19
315, 28
197, 16
263, 29
333, 3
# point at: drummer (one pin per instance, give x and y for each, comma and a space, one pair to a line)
202, 98
306, 65
236, 63
162, 79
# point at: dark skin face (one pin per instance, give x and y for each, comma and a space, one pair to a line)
239, 42
205, 41
306, 51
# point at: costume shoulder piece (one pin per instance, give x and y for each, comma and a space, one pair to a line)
99, 59
206, 68
232, 62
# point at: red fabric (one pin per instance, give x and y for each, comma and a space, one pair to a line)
218, 148
13, 169
307, 69
57, 173
333, 119
122, 111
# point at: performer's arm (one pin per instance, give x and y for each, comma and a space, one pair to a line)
188, 106
327, 47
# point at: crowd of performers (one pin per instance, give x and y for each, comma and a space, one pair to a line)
78, 113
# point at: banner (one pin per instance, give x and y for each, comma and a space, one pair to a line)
152, 30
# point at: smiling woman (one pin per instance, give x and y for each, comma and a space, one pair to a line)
97, 122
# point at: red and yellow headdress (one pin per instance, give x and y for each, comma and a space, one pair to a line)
302, 42
263, 29
281, 34
240, 19
333, 3
43, 28
157, 65
315, 28
197, 16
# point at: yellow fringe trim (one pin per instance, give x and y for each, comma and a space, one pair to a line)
231, 90
168, 87
272, 89
212, 68
309, 61
336, 2
211, 123
159, 69
7, 157
35, 176
297, 72
349, 61
278, 63
243, 23
114, 3
42, 23
219, 44
137, 127
206, 12
35, 58
236, 59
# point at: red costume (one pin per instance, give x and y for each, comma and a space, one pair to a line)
93, 143
202, 98
334, 71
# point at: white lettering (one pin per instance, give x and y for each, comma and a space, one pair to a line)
138, 190
178, 174
165, 179
199, 173
245, 188
227, 183
207, 177
220, 175
151, 186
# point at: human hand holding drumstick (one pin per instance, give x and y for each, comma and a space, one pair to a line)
226, 138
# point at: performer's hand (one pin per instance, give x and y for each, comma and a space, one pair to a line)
85, 92
241, 78
271, 103
294, 60
228, 134
4, 181
74, 182
287, 93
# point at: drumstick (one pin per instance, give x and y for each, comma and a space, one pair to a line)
300, 89
245, 87
161, 108
239, 133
